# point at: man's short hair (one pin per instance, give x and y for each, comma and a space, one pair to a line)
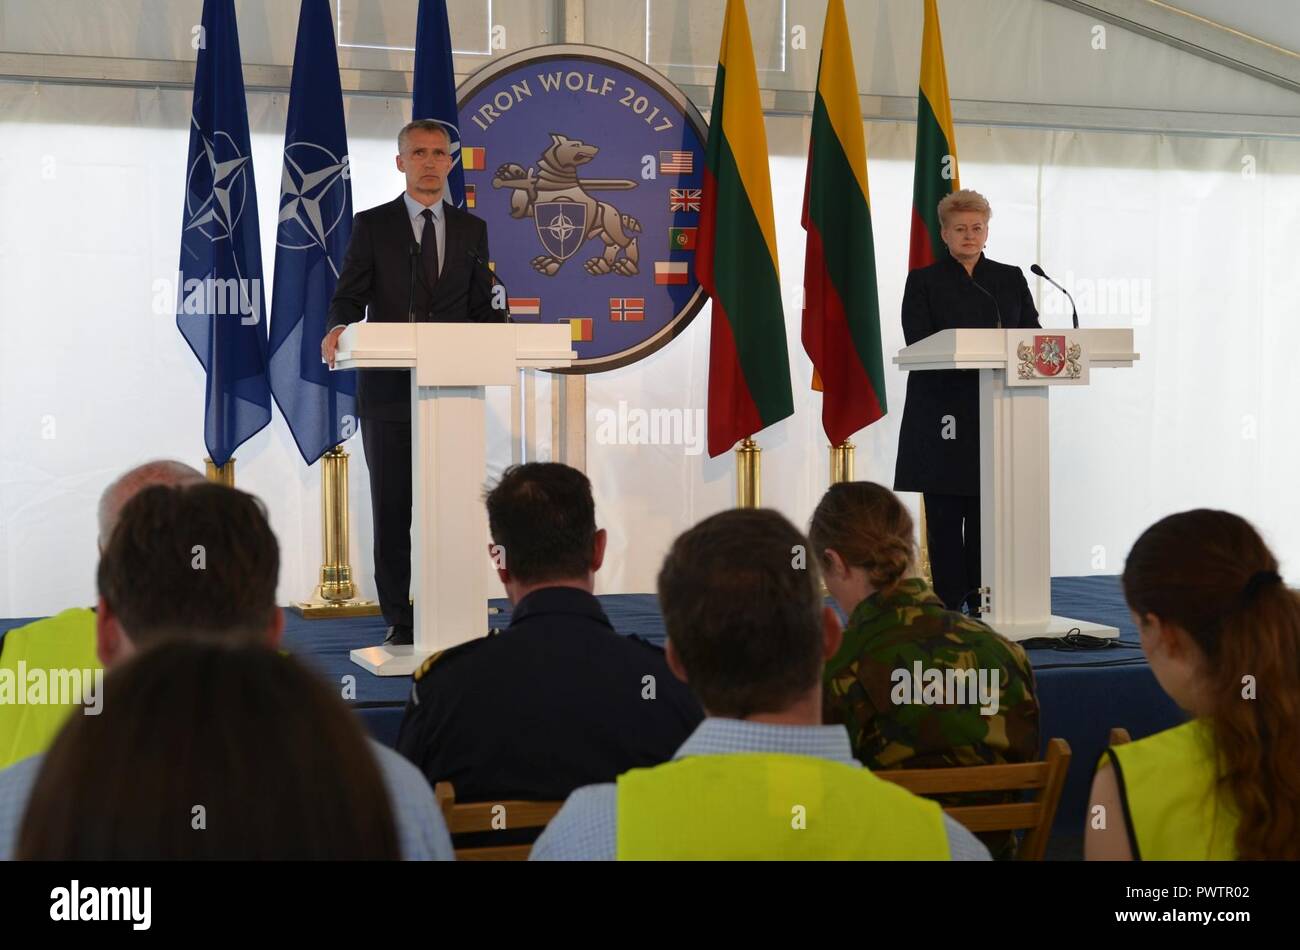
124, 487
422, 125
191, 560
543, 517
742, 603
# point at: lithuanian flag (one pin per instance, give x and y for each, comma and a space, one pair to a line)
841, 317
936, 148
749, 367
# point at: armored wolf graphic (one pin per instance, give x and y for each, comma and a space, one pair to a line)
566, 214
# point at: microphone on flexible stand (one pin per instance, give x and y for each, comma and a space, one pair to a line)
493, 279
996, 309
1039, 271
413, 255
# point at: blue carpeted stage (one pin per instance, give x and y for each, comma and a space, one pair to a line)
1082, 694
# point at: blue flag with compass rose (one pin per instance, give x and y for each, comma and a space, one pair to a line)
220, 304
315, 222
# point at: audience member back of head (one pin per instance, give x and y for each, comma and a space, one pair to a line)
207, 750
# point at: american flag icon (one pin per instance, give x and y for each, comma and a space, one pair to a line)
684, 199
680, 162
626, 308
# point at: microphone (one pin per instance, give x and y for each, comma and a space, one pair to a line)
413, 255
1039, 271
996, 309
493, 279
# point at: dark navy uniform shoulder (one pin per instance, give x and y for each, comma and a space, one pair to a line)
642, 641
444, 658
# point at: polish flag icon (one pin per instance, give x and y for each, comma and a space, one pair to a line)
672, 272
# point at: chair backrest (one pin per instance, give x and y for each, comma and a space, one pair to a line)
492, 816
1119, 735
1035, 817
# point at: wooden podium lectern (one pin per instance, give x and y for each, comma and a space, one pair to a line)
1017, 369
450, 364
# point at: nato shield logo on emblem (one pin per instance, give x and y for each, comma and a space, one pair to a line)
589, 172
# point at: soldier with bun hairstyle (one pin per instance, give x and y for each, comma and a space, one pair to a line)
862, 537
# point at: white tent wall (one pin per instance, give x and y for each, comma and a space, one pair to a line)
1187, 239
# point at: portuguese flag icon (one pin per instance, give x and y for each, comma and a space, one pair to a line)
841, 318
936, 148
736, 262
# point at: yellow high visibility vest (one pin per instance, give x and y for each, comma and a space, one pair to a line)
65, 641
1173, 809
748, 806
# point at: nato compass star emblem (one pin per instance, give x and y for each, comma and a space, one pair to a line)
312, 195
561, 227
223, 199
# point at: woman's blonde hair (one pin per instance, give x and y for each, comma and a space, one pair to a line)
963, 200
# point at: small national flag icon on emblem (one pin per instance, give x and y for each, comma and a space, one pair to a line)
473, 159
626, 308
684, 199
526, 306
469, 196
671, 272
681, 239
580, 329
680, 162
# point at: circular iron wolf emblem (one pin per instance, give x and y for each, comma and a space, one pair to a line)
588, 167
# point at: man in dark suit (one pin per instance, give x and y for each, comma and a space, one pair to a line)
939, 439
558, 699
416, 258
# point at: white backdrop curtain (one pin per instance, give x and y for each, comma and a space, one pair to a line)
1188, 240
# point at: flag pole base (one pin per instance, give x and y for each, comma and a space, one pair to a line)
842, 462
221, 474
335, 595
749, 475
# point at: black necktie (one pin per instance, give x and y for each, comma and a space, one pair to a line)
429, 248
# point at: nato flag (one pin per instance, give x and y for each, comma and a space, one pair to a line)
311, 237
220, 302
433, 95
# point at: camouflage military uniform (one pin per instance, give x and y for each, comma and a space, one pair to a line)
911, 625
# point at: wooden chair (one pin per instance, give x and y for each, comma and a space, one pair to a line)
1035, 817
479, 816
1119, 735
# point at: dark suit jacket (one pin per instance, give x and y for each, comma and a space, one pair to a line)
941, 297
375, 285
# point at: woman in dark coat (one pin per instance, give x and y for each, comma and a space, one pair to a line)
938, 443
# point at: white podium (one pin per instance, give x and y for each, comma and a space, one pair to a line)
450, 364
1017, 369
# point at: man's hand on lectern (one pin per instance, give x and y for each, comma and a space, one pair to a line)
330, 345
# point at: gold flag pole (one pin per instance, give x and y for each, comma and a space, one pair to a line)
925, 548
842, 462
749, 474
221, 474
335, 595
